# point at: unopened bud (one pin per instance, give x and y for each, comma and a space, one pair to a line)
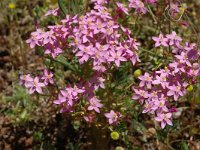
189, 88
114, 135
137, 73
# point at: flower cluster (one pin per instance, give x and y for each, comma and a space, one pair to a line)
53, 40
95, 38
37, 83
171, 82
98, 38
100, 42
68, 97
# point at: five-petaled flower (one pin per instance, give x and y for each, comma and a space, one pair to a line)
47, 77
164, 118
36, 85
112, 117
95, 104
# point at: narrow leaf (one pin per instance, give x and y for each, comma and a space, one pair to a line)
62, 7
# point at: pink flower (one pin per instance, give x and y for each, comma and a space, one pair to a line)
77, 90
161, 104
26, 80
117, 57
153, 95
52, 50
140, 94
36, 85
67, 94
32, 41
122, 7
49, 37
164, 119
61, 99
138, 5
95, 104
174, 9
160, 40
36, 38
54, 12
161, 79
149, 107
84, 53
99, 83
112, 117
146, 79
173, 38
175, 91
183, 58
177, 67
89, 118
47, 77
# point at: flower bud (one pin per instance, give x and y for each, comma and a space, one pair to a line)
189, 88
119, 148
137, 73
114, 135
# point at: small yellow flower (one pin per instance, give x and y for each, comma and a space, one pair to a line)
114, 135
189, 88
11, 5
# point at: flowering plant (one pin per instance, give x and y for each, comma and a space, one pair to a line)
101, 45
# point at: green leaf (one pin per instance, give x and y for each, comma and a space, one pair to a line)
184, 146
74, 6
62, 60
62, 7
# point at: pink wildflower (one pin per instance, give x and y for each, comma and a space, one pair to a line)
122, 7
95, 104
160, 40
47, 77
145, 79
36, 85
164, 119
26, 80
112, 117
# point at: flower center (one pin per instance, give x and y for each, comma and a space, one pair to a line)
35, 83
49, 76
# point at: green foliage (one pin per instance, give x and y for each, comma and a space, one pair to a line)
184, 146
62, 7
22, 106
37, 136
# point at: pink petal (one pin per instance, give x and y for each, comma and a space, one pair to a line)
163, 124
39, 90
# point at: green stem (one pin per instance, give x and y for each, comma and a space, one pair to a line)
142, 49
193, 28
152, 14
